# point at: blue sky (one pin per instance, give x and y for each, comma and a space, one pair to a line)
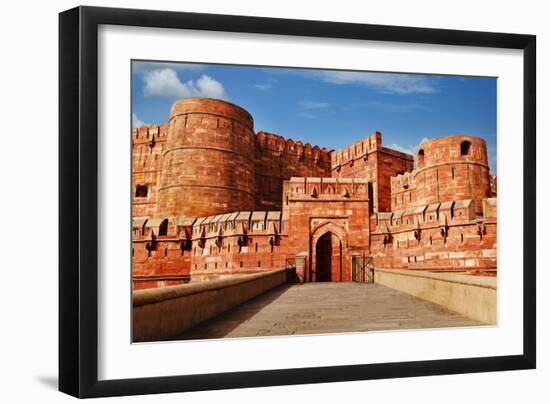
328, 108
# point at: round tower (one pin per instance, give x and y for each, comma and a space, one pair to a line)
453, 168
208, 165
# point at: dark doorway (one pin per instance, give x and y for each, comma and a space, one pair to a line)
323, 260
328, 258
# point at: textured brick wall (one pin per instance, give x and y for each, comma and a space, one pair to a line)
438, 236
315, 206
148, 145
223, 201
208, 165
370, 160
446, 172
279, 159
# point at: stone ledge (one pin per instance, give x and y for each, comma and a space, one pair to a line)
162, 313
155, 295
484, 282
472, 296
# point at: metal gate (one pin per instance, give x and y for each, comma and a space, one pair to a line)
362, 269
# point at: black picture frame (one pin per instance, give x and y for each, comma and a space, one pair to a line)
78, 196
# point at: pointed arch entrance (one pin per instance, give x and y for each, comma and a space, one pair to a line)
328, 254
328, 263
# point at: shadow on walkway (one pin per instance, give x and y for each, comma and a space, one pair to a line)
213, 328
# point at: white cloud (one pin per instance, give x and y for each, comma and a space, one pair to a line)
390, 83
384, 82
313, 104
411, 149
141, 68
209, 87
307, 115
408, 150
396, 108
136, 122
265, 86
166, 83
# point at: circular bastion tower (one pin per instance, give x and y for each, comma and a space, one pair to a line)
452, 168
208, 162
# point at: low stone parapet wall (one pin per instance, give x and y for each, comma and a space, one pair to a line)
163, 313
472, 296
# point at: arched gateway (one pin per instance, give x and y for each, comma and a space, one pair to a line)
329, 254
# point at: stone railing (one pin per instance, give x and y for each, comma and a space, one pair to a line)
472, 296
163, 313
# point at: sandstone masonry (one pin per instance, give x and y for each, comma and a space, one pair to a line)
212, 198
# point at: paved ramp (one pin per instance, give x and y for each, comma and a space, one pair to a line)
318, 308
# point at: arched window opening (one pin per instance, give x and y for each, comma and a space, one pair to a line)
163, 228
421, 157
465, 148
141, 191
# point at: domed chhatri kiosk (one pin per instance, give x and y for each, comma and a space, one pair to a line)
211, 197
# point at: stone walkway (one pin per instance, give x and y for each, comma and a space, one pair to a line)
317, 308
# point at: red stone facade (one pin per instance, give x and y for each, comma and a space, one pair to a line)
213, 198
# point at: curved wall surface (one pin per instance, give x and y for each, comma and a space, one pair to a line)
452, 168
208, 161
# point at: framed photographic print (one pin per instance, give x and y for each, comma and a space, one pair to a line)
251, 201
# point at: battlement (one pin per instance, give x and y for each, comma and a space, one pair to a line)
328, 188
211, 196
444, 214
358, 150
241, 223
146, 134
403, 182
278, 144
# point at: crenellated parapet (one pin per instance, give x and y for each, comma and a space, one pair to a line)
280, 146
357, 151
328, 189
278, 159
439, 236
211, 197
369, 159
149, 134
148, 144
448, 213
200, 229
403, 190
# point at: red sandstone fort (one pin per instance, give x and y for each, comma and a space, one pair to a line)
213, 198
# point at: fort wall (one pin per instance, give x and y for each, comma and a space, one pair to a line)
369, 159
148, 145
208, 164
448, 168
440, 236
213, 199
278, 159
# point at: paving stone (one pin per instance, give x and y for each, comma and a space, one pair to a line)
318, 308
